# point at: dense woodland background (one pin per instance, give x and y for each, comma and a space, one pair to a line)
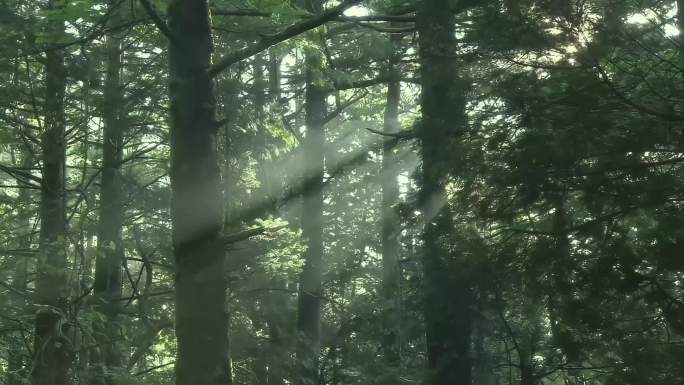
267, 192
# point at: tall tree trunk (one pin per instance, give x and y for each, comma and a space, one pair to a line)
309, 307
273, 75
483, 373
680, 40
53, 355
447, 292
390, 221
233, 147
680, 26
196, 202
110, 253
16, 372
265, 196
526, 370
273, 355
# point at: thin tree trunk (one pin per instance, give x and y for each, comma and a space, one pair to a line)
483, 372
680, 26
447, 292
53, 356
197, 202
277, 353
110, 253
16, 364
390, 221
274, 75
266, 197
527, 376
308, 321
232, 148
270, 366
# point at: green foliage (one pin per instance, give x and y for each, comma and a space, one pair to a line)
566, 189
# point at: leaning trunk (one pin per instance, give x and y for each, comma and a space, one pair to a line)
447, 298
196, 202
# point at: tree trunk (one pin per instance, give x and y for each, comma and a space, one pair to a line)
277, 352
390, 221
196, 202
308, 321
527, 376
447, 292
274, 75
680, 38
232, 148
53, 355
680, 26
16, 364
483, 370
110, 253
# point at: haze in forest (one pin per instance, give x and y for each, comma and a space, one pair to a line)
343, 192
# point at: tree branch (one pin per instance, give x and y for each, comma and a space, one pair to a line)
603, 76
336, 112
240, 12
268, 41
388, 18
382, 78
157, 20
21, 176
246, 234
401, 135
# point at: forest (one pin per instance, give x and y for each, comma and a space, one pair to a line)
341, 192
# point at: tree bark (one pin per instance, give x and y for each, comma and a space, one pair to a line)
53, 355
110, 252
308, 321
390, 220
447, 292
196, 202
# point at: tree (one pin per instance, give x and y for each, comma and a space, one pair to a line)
53, 355
539, 241
309, 308
107, 288
447, 289
196, 201
391, 229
